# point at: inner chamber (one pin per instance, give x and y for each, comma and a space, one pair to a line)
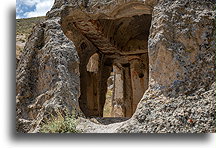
120, 66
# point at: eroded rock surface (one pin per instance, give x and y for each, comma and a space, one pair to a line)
177, 99
47, 76
174, 51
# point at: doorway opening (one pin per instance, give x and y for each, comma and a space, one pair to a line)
115, 75
107, 110
117, 78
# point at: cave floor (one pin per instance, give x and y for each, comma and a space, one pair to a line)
108, 120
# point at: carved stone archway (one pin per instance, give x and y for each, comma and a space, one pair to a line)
117, 41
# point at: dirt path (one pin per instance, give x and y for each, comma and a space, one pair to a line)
100, 124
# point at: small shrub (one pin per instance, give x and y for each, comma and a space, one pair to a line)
60, 124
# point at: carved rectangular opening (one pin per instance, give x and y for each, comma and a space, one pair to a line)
126, 85
116, 76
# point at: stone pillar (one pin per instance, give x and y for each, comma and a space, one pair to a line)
118, 109
127, 91
92, 85
137, 82
92, 103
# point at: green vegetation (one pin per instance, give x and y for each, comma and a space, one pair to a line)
108, 104
24, 26
60, 124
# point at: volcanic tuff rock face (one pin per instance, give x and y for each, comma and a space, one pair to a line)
178, 64
47, 76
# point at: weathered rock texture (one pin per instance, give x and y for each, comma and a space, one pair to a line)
160, 48
116, 33
47, 76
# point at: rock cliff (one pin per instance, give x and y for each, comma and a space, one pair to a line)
47, 79
160, 48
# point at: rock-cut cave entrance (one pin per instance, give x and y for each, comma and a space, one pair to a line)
125, 59
115, 47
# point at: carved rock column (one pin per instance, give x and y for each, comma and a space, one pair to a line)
118, 98
137, 82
